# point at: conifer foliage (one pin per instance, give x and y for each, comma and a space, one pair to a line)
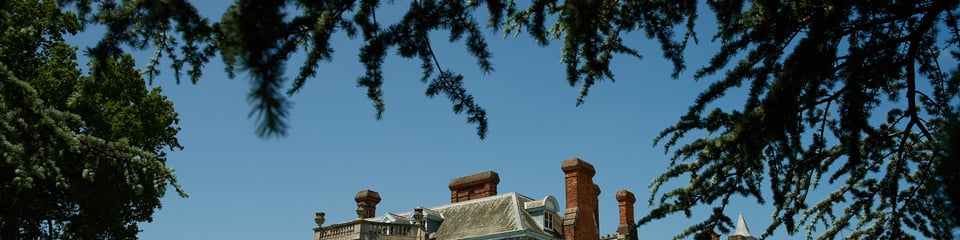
81, 156
846, 97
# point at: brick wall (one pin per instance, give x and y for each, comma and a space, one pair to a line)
475, 186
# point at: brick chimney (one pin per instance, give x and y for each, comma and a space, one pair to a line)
581, 216
367, 203
474, 186
626, 230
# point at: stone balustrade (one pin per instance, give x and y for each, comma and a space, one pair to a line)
362, 229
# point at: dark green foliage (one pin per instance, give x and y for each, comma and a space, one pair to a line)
258, 37
81, 157
948, 170
818, 72
591, 32
261, 44
844, 96
263, 51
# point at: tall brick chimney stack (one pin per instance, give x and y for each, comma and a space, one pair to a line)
474, 186
580, 219
626, 230
367, 203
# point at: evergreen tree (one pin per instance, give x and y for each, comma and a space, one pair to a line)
81, 156
844, 95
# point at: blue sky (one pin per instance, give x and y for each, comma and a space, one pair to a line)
245, 187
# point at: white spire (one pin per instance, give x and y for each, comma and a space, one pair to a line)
742, 229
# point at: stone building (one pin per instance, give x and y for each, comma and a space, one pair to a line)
477, 211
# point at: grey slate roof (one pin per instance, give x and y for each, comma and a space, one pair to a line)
500, 214
399, 219
503, 214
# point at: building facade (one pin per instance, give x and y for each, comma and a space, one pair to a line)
477, 211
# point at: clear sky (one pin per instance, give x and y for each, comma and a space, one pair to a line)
245, 187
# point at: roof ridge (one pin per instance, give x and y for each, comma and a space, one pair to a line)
521, 195
476, 200
516, 210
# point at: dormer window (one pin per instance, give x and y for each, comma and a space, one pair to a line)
545, 213
551, 222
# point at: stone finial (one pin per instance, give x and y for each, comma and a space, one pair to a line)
418, 216
361, 210
319, 219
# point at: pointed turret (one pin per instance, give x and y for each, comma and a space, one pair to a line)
742, 232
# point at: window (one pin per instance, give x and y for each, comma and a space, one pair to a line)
548, 220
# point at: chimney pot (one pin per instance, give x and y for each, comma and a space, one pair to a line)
575, 164
626, 196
